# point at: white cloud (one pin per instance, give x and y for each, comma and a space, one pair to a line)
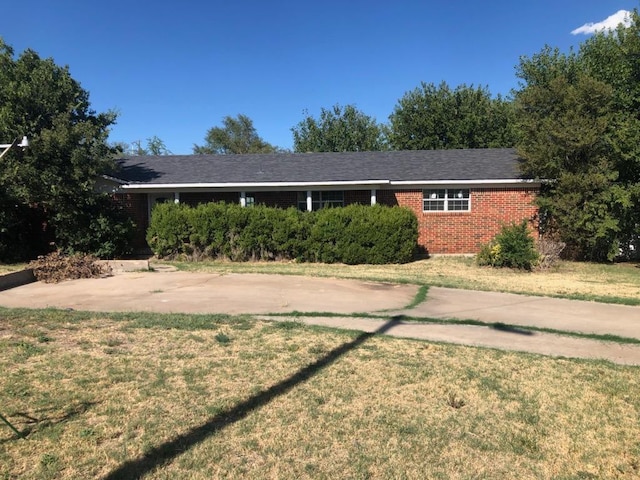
610, 23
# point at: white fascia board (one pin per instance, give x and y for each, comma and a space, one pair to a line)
250, 186
484, 183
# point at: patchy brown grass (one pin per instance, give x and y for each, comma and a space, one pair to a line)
279, 401
568, 279
12, 267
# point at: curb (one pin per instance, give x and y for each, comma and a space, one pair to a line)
16, 279
124, 266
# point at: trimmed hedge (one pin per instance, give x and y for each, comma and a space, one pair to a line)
354, 234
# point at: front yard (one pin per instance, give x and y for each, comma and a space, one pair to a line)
201, 397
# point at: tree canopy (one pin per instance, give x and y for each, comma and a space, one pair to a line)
579, 118
338, 130
431, 118
237, 135
155, 146
47, 191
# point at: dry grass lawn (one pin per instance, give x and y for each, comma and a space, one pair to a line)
609, 282
197, 397
12, 267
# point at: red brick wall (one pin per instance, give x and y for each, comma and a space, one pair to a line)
465, 232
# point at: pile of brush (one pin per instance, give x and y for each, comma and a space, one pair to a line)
56, 267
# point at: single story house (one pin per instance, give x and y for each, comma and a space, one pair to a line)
460, 197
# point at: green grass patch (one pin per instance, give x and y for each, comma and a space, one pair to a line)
420, 297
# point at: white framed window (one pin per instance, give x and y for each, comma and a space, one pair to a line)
247, 199
321, 199
446, 200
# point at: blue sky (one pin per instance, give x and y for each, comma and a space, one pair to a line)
175, 69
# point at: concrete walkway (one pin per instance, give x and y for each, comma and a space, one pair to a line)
262, 295
501, 339
526, 310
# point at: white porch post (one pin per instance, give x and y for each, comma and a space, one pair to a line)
243, 199
176, 197
374, 198
309, 201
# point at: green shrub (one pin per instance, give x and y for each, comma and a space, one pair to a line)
513, 247
291, 232
359, 234
208, 226
354, 234
169, 230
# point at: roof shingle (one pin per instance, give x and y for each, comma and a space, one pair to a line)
414, 165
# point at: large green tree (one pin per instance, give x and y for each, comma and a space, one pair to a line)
47, 192
237, 135
579, 118
338, 130
431, 118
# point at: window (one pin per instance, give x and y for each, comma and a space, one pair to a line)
446, 200
321, 200
247, 199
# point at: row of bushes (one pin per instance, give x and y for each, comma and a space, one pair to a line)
355, 234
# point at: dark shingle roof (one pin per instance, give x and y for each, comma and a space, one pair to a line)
415, 165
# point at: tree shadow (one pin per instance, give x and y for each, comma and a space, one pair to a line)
164, 453
43, 418
131, 170
503, 327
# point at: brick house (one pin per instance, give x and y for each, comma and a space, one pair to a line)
460, 197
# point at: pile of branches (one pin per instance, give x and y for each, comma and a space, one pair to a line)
549, 253
56, 267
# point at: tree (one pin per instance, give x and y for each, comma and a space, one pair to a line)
47, 190
237, 135
431, 118
615, 59
155, 146
338, 130
579, 118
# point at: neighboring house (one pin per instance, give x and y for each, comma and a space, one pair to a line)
460, 197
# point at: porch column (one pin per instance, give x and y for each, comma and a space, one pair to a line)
374, 199
309, 201
176, 197
243, 199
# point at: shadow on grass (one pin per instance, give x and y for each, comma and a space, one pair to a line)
35, 423
503, 327
163, 454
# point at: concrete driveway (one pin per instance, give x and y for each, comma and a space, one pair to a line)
172, 292
185, 292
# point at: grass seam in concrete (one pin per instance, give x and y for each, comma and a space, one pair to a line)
457, 321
